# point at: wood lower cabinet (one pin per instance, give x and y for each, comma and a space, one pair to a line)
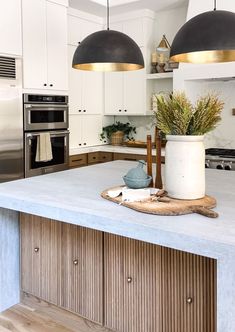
82, 272
63, 264
154, 289
124, 284
41, 257
132, 273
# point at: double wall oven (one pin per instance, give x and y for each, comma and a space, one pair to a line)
45, 114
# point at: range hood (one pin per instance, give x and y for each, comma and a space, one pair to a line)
216, 71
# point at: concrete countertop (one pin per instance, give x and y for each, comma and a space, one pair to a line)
112, 148
73, 196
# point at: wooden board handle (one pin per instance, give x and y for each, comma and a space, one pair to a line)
204, 211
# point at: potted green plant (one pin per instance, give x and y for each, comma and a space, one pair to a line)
185, 125
117, 132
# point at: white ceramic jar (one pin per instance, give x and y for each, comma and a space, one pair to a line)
185, 166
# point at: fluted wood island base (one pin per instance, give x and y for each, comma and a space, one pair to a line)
122, 284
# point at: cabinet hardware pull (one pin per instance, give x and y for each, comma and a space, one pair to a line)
79, 144
79, 110
120, 110
189, 300
125, 110
74, 160
75, 262
84, 144
84, 110
45, 84
36, 249
94, 157
129, 280
51, 84
130, 159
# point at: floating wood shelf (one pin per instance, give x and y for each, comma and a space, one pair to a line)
160, 76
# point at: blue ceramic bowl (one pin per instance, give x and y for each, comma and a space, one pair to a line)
137, 183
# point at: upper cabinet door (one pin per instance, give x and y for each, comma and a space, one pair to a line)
79, 29
10, 27
114, 93
75, 84
34, 44
57, 46
92, 92
134, 92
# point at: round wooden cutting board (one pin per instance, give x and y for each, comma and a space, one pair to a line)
174, 207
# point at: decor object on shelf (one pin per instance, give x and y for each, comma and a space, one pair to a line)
108, 50
206, 38
117, 132
163, 54
184, 126
137, 178
154, 63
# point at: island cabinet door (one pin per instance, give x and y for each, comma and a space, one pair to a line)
41, 257
132, 285
188, 292
82, 272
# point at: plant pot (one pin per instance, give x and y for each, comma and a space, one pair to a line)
185, 167
117, 138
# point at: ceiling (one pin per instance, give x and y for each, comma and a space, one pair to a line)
98, 7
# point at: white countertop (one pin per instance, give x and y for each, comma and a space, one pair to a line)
112, 148
73, 196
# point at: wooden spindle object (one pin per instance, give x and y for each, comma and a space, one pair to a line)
149, 158
158, 179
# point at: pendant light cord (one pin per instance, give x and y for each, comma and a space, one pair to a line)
107, 14
214, 4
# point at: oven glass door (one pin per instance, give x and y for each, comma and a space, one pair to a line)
59, 147
45, 117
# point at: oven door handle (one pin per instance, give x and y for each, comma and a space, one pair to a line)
52, 133
46, 107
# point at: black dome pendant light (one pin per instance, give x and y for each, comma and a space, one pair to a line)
206, 38
108, 50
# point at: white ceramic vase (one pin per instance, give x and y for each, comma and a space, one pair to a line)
185, 166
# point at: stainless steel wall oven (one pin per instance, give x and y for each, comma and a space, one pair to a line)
45, 116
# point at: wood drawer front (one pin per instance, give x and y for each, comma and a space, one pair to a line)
40, 257
106, 156
93, 158
132, 305
82, 274
78, 160
129, 157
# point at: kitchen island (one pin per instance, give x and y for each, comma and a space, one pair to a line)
73, 197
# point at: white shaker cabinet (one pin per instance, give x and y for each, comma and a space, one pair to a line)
10, 27
79, 28
44, 45
85, 130
85, 89
125, 93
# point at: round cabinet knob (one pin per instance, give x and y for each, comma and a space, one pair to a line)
51, 85
84, 111
45, 84
75, 262
79, 111
36, 249
220, 167
129, 280
80, 144
84, 144
125, 110
119, 110
189, 300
